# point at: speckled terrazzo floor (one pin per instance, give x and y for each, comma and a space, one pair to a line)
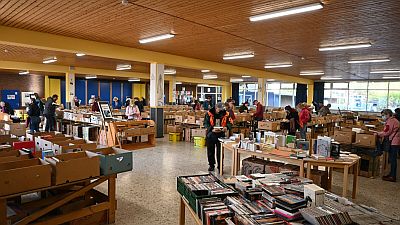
148, 196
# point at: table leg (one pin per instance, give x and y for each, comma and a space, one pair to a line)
221, 163
111, 199
330, 178
302, 169
3, 211
356, 170
238, 163
233, 162
182, 212
345, 180
309, 170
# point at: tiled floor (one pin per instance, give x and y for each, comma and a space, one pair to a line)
148, 196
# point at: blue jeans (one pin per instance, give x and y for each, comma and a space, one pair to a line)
303, 132
34, 124
394, 149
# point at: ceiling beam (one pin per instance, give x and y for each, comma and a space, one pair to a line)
13, 65
33, 39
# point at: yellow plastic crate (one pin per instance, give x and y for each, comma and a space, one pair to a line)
175, 137
199, 142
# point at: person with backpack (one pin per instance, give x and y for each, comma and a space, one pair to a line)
304, 118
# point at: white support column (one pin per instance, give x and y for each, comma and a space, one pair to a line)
70, 87
172, 90
261, 91
156, 85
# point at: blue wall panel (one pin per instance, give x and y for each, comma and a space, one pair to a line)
127, 90
92, 88
63, 97
80, 90
105, 91
116, 90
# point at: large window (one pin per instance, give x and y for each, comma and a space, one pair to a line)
373, 96
248, 92
281, 94
215, 92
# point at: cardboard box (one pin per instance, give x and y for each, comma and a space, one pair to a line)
199, 132
17, 129
114, 160
269, 125
174, 129
315, 193
74, 166
24, 175
179, 119
367, 140
89, 133
191, 120
78, 147
344, 137
4, 116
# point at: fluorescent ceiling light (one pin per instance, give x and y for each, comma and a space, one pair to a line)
178, 82
80, 54
236, 80
287, 12
156, 38
246, 76
331, 78
311, 73
124, 67
91, 77
49, 60
385, 71
390, 77
369, 60
203, 85
238, 56
210, 76
23, 72
342, 47
134, 80
270, 66
205, 71
170, 71
270, 79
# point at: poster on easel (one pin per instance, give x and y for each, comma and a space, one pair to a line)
105, 110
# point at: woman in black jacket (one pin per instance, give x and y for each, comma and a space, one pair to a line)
34, 116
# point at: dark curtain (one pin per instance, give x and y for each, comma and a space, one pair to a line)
235, 93
319, 92
301, 93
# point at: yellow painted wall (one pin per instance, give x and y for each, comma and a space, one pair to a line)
139, 90
310, 93
52, 86
226, 92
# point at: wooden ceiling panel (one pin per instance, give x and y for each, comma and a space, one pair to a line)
209, 29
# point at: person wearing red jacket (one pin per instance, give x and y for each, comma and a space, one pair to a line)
391, 132
259, 114
305, 117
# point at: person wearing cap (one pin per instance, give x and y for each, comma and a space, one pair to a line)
259, 114
305, 117
293, 117
244, 107
116, 104
217, 121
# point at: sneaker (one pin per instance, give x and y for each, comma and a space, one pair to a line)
211, 168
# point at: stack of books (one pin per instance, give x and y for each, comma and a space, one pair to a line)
269, 194
213, 211
206, 183
331, 213
288, 205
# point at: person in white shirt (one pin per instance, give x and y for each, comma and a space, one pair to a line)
132, 111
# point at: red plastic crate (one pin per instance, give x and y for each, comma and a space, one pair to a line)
25, 144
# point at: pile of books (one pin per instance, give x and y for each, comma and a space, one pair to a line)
206, 183
213, 211
330, 213
288, 205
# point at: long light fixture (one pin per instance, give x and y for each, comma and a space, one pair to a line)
80, 54
246, 76
178, 82
239, 56
23, 72
124, 67
205, 71
210, 76
283, 65
170, 71
156, 38
287, 12
342, 47
50, 60
331, 78
91, 77
311, 73
270, 79
236, 80
369, 60
203, 85
384, 71
134, 80
390, 77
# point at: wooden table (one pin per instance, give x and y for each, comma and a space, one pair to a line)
83, 188
237, 152
354, 164
182, 209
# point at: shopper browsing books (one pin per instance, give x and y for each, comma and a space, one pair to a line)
305, 117
132, 111
259, 114
217, 121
